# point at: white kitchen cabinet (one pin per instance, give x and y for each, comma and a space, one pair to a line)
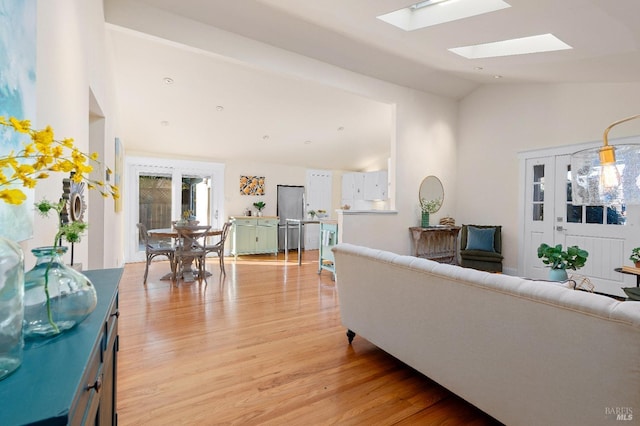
352, 187
370, 186
375, 185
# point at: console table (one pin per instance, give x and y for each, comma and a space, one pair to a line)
439, 243
69, 379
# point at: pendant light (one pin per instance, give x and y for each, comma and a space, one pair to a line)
607, 175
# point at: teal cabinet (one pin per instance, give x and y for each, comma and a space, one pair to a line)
70, 379
254, 235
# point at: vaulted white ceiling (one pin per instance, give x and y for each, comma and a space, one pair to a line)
603, 33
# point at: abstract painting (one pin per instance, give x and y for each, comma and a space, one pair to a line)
251, 185
17, 99
117, 181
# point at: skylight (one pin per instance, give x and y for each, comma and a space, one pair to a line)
517, 46
433, 12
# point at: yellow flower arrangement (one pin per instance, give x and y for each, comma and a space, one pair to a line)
42, 155
37, 158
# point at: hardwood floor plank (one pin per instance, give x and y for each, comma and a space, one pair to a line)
263, 345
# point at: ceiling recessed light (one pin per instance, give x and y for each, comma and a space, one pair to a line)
168, 80
219, 108
164, 123
428, 13
478, 68
265, 137
517, 46
497, 76
307, 142
340, 128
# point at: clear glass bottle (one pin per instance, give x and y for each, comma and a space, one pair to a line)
11, 306
72, 297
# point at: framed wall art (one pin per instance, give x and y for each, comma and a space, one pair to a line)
17, 99
252, 185
117, 173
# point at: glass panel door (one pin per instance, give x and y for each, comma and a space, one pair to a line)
196, 198
159, 191
600, 230
154, 201
537, 202
538, 226
616, 213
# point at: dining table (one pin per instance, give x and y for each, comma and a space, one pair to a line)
187, 273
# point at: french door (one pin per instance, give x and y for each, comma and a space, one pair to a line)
608, 233
538, 214
160, 192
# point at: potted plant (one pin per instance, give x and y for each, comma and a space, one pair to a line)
560, 260
635, 257
259, 205
428, 207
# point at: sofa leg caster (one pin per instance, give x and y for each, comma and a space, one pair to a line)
350, 335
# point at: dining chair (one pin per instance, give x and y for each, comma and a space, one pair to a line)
190, 248
219, 246
154, 250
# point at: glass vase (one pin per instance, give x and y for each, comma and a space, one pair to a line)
56, 297
11, 306
425, 219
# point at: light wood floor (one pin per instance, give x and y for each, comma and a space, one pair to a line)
263, 346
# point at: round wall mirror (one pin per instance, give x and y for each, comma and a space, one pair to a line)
75, 205
431, 190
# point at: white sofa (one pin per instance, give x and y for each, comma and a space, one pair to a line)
525, 352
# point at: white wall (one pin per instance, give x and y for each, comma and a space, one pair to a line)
275, 174
71, 59
473, 150
424, 140
497, 122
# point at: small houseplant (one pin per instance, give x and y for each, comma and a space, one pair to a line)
635, 256
428, 207
560, 260
259, 205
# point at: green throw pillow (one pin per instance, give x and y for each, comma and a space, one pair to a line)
480, 238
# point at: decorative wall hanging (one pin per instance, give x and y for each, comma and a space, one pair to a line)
252, 185
17, 99
117, 176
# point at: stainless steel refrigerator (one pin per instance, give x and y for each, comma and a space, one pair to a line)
290, 206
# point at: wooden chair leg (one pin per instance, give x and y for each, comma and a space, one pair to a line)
172, 265
203, 266
146, 270
177, 267
221, 256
